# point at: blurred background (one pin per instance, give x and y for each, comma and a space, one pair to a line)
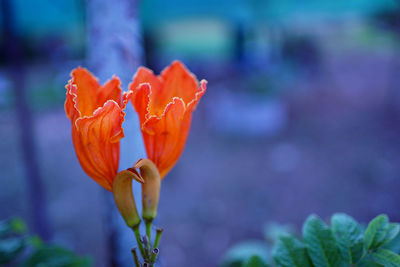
301, 116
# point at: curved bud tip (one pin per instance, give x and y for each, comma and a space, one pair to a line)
123, 196
147, 163
136, 175
150, 188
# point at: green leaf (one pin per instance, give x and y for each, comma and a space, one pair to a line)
273, 230
35, 241
391, 233
255, 261
394, 244
321, 244
386, 258
54, 256
18, 226
12, 226
368, 261
376, 232
290, 252
5, 228
242, 252
348, 236
10, 248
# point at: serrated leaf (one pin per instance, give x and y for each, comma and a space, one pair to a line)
348, 236
290, 252
321, 244
376, 232
255, 261
386, 258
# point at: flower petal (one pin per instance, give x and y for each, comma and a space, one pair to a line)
126, 96
144, 75
140, 100
96, 140
86, 91
70, 102
165, 104
111, 90
191, 106
178, 81
165, 136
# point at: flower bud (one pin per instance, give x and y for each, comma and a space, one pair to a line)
150, 188
123, 196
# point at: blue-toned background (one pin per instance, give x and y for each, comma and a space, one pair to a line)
302, 115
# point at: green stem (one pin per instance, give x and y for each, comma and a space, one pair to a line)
158, 236
154, 256
148, 230
135, 257
146, 245
138, 240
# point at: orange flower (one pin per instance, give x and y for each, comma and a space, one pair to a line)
96, 114
165, 104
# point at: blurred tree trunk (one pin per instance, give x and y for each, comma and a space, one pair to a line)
114, 40
14, 57
114, 47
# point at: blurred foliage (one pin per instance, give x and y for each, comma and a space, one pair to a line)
55, 256
55, 31
18, 248
273, 230
51, 18
343, 243
251, 252
216, 30
275, 11
387, 19
301, 51
288, 10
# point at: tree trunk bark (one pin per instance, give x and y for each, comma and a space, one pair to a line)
114, 47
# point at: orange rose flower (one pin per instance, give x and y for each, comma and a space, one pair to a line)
165, 104
96, 114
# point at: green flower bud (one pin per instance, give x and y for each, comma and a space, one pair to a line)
150, 188
123, 196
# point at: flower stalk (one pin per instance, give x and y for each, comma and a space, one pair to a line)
139, 240
158, 237
148, 229
148, 250
135, 257
154, 254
